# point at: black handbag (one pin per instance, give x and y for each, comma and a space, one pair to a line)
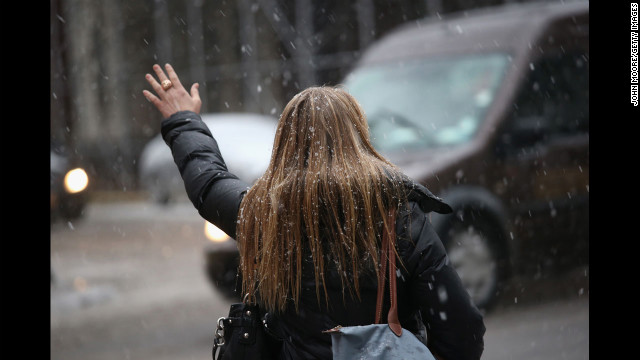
242, 335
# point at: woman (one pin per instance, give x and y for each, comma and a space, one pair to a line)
309, 229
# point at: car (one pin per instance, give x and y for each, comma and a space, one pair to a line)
69, 184
222, 260
490, 110
245, 140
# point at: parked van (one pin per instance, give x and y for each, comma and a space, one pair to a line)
490, 110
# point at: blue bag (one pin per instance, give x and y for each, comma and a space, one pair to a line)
380, 341
376, 341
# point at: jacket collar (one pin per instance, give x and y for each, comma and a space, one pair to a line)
425, 198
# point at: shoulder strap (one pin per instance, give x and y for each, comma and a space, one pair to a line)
387, 254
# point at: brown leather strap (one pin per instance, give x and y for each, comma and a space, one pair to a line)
387, 253
381, 275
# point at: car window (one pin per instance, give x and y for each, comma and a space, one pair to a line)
430, 102
554, 101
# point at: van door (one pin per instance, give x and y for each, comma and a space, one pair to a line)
549, 142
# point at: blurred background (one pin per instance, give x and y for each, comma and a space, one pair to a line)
247, 55
485, 102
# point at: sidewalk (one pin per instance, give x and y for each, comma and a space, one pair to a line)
106, 196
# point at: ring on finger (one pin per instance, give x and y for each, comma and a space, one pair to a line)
166, 85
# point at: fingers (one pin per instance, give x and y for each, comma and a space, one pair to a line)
155, 101
173, 76
195, 94
169, 101
161, 75
154, 84
152, 98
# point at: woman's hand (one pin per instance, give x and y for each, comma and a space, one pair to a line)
175, 98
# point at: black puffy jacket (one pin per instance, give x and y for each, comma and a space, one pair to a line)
432, 302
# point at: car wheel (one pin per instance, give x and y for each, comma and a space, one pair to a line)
474, 251
72, 209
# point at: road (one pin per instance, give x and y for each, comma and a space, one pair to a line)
129, 284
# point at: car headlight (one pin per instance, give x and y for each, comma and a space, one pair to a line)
76, 180
214, 233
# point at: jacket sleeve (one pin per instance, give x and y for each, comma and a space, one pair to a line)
455, 327
214, 191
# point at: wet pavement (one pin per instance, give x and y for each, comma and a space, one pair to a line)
129, 284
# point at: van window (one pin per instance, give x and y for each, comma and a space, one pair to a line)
429, 102
554, 101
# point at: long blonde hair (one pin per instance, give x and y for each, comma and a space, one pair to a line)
326, 191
